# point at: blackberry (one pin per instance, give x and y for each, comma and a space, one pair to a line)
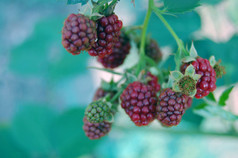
171, 107
96, 130
78, 34
207, 82
152, 50
98, 111
100, 93
139, 102
108, 31
153, 81
119, 52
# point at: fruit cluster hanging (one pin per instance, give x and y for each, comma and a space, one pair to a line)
145, 95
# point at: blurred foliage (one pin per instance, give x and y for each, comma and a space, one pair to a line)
43, 55
8, 147
30, 128
180, 6
67, 134
183, 24
211, 2
39, 131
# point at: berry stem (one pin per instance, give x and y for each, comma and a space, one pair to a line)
117, 95
160, 16
133, 28
142, 62
106, 70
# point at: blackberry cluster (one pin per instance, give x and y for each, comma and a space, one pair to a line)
119, 52
153, 81
171, 107
108, 31
139, 102
97, 112
152, 50
78, 34
207, 82
96, 130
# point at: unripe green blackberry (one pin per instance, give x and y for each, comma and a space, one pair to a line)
98, 111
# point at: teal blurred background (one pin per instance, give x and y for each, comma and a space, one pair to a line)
44, 90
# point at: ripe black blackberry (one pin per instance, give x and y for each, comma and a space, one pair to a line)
139, 102
119, 52
171, 107
78, 34
108, 31
96, 130
152, 50
207, 82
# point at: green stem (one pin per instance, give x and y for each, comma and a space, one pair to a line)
116, 95
106, 70
133, 28
145, 25
142, 61
159, 14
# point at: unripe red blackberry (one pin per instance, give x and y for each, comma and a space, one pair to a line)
152, 50
207, 82
171, 107
96, 130
153, 81
139, 102
78, 34
119, 52
100, 93
108, 31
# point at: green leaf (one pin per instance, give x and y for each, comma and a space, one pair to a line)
30, 128
211, 97
193, 93
180, 6
201, 106
214, 111
188, 59
150, 61
196, 77
176, 75
225, 96
193, 52
190, 70
8, 147
176, 87
212, 61
77, 1
105, 85
68, 136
